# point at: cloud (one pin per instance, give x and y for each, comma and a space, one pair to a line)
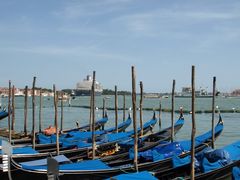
82, 9
88, 52
141, 22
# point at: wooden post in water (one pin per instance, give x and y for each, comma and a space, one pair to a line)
160, 111
25, 110
33, 113
13, 108
9, 111
213, 110
103, 109
172, 113
116, 109
141, 106
134, 119
61, 128
193, 125
56, 116
93, 116
124, 107
40, 111
90, 111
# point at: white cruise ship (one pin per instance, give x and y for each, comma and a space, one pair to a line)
83, 88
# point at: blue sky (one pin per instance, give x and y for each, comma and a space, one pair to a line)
61, 41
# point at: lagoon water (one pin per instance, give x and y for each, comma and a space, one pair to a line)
72, 114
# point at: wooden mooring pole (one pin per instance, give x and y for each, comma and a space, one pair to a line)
13, 108
25, 110
124, 107
141, 107
116, 109
33, 113
134, 119
61, 126
213, 110
172, 112
55, 98
40, 111
93, 116
90, 111
9, 111
103, 109
160, 113
193, 125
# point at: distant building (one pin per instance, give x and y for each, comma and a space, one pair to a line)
21, 92
236, 92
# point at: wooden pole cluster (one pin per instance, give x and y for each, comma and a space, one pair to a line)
141, 106
213, 110
9, 110
93, 116
193, 125
116, 109
134, 118
25, 110
172, 113
33, 113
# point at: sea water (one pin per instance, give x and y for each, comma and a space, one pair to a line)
73, 112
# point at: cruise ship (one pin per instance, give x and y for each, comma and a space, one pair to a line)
83, 88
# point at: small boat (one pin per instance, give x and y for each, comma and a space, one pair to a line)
151, 96
97, 169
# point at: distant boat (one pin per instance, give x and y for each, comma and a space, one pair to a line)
84, 88
64, 97
151, 96
187, 93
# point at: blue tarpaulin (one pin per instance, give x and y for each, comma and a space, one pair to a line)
144, 175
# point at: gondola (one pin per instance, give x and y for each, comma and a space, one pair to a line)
96, 169
221, 163
76, 149
143, 175
99, 124
121, 127
75, 155
146, 142
3, 113
83, 135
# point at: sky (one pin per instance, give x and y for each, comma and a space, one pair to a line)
61, 41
